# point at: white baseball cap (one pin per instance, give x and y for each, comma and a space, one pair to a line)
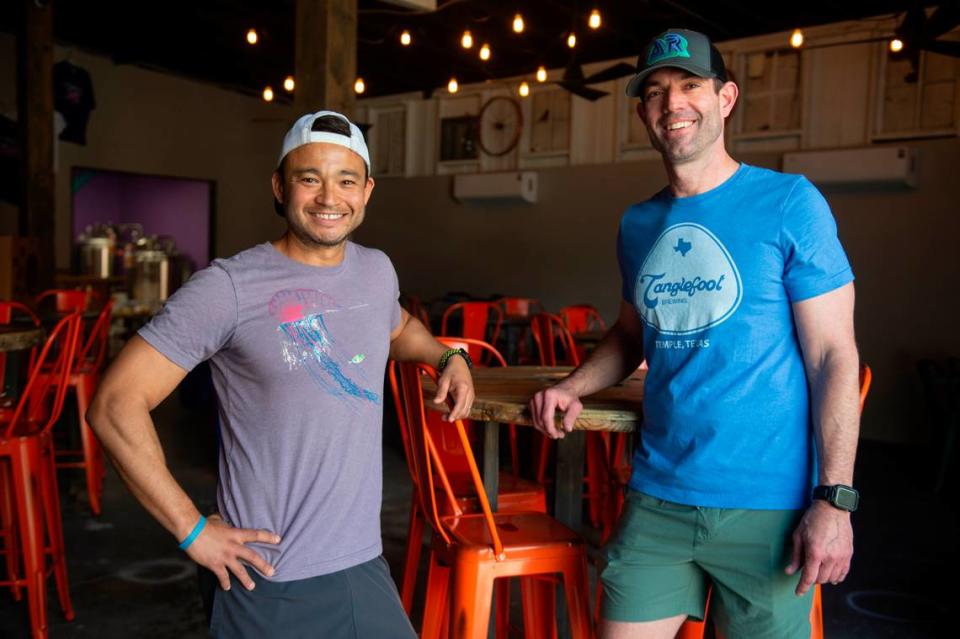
302, 133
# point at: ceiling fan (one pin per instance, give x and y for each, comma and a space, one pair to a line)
921, 32
575, 82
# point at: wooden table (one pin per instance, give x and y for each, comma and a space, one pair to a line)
502, 396
19, 338
15, 338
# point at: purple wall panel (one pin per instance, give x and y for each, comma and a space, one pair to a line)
164, 206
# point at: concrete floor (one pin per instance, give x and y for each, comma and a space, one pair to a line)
128, 579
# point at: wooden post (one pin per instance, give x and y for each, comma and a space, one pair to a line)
326, 56
35, 115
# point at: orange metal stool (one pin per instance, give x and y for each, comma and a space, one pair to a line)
28, 482
66, 300
516, 494
84, 380
471, 551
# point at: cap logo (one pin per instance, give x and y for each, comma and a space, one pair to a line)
671, 45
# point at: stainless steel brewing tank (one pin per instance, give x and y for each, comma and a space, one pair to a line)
151, 277
96, 255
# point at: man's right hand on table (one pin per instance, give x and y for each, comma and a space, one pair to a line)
221, 548
543, 408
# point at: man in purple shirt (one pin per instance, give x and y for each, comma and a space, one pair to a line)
297, 332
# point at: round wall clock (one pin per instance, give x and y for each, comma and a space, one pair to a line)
499, 125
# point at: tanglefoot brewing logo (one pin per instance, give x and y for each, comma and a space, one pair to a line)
688, 282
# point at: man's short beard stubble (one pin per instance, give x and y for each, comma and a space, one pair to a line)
707, 136
304, 236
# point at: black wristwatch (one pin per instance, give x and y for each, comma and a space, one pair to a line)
839, 496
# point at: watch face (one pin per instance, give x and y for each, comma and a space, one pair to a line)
846, 498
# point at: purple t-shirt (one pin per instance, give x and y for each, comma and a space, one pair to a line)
297, 354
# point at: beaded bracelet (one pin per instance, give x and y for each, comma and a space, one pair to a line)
447, 354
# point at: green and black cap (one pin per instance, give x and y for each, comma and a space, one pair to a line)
681, 48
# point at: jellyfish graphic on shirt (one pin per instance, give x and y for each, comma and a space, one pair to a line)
306, 343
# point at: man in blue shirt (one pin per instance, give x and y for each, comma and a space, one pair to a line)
738, 292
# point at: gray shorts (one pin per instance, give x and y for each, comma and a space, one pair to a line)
360, 602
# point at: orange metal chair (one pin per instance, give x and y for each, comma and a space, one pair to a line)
66, 300
515, 494
581, 317
555, 344
471, 550
695, 629
476, 317
30, 504
84, 380
520, 306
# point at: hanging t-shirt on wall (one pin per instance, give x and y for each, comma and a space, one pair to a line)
73, 99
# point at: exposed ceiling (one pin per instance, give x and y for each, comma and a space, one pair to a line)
205, 39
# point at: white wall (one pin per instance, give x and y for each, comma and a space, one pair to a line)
159, 124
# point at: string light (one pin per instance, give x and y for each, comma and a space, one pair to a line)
466, 40
524, 89
453, 86
541, 74
485, 52
252, 36
288, 84
796, 39
572, 40
405, 38
267, 94
359, 86
518, 23
896, 45
594, 20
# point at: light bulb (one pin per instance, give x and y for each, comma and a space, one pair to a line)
252, 36
288, 84
452, 85
359, 86
466, 40
796, 39
541, 74
268, 94
572, 40
518, 23
594, 20
485, 52
896, 45
405, 38
524, 89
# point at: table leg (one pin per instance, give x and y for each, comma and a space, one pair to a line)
491, 462
568, 503
568, 500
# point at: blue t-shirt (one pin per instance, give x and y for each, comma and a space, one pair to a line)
727, 422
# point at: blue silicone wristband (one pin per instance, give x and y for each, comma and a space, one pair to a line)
193, 533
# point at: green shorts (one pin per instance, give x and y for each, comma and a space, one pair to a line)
664, 556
